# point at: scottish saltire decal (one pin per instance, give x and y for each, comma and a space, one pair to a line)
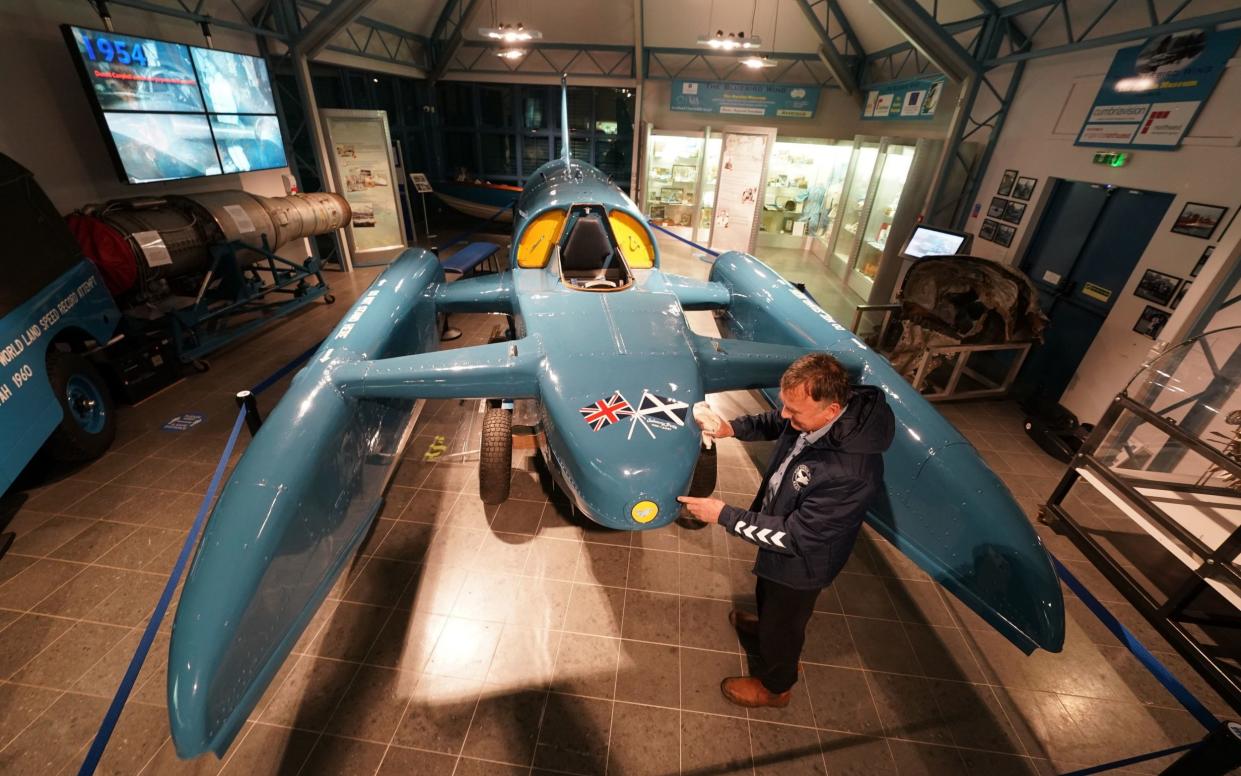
605, 412
658, 412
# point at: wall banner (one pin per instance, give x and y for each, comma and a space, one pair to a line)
1153, 92
913, 99
726, 98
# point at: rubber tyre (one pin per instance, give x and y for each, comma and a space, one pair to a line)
76, 440
703, 483
495, 464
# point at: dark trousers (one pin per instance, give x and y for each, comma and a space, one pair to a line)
783, 613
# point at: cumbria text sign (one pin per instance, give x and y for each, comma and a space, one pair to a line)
1153, 92
727, 98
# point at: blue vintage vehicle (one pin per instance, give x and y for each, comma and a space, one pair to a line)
53, 307
601, 347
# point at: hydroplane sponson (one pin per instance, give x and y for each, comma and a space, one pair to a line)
601, 348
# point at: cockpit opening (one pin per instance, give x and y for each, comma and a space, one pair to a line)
590, 259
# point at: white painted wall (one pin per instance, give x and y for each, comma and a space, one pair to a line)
46, 123
1037, 140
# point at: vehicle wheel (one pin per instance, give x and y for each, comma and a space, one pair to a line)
495, 464
703, 483
329, 299
89, 425
201, 365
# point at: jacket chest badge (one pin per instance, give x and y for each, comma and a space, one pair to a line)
801, 476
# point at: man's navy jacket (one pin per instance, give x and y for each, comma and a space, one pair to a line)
808, 530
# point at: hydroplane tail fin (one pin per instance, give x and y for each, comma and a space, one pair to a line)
564, 117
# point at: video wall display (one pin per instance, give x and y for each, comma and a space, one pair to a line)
172, 111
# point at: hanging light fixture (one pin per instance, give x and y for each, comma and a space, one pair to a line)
510, 33
511, 53
731, 41
760, 61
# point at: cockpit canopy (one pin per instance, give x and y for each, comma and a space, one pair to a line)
589, 257
596, 249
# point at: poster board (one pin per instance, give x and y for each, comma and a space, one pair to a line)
360, 149
739, 188
1154, 91
732, 98
914, 99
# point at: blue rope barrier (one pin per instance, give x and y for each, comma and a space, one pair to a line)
1139, 758
690, 243
161, 608
284, 370
1144, 656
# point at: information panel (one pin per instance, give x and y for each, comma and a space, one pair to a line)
914, 99
738, 191
726, 98
360, 149
1153, 92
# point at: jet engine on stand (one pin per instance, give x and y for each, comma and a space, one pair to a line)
194, 272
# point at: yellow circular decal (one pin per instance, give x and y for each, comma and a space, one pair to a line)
644, 511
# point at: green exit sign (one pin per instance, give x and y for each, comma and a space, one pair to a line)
1112, 159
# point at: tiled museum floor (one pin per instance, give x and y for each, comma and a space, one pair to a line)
474, 640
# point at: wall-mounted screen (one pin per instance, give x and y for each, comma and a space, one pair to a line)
172, 111
931, 241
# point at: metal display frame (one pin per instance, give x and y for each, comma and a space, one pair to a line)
1172, 613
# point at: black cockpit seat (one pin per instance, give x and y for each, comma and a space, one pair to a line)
588, 257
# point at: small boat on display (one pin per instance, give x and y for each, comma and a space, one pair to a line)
479, 199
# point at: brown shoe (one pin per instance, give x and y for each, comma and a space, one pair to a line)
749, 692
745, 623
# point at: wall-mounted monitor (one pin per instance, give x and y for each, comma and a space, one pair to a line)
933, 241
171, 111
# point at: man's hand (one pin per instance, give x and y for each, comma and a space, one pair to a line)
705, 509
711, 424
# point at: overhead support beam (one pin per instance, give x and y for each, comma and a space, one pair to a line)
831, 58
198, 18
315, 36
839, 69
449, 34
928, 38
1140, 33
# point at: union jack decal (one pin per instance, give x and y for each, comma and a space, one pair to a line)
606, 411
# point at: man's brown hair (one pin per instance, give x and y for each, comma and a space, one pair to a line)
819, 375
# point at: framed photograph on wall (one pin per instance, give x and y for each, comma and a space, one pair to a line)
1202, 261
1006, 183
1004, 234
987, 230
1024, 188
1014, 211
684, 173
1151, 322
1199, 220
1180, 294
1157, 287
996, 209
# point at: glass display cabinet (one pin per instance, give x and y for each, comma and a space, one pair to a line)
674, 168
799, 190
853, 206
894, 166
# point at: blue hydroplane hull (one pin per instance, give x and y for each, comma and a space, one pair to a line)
603, 350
